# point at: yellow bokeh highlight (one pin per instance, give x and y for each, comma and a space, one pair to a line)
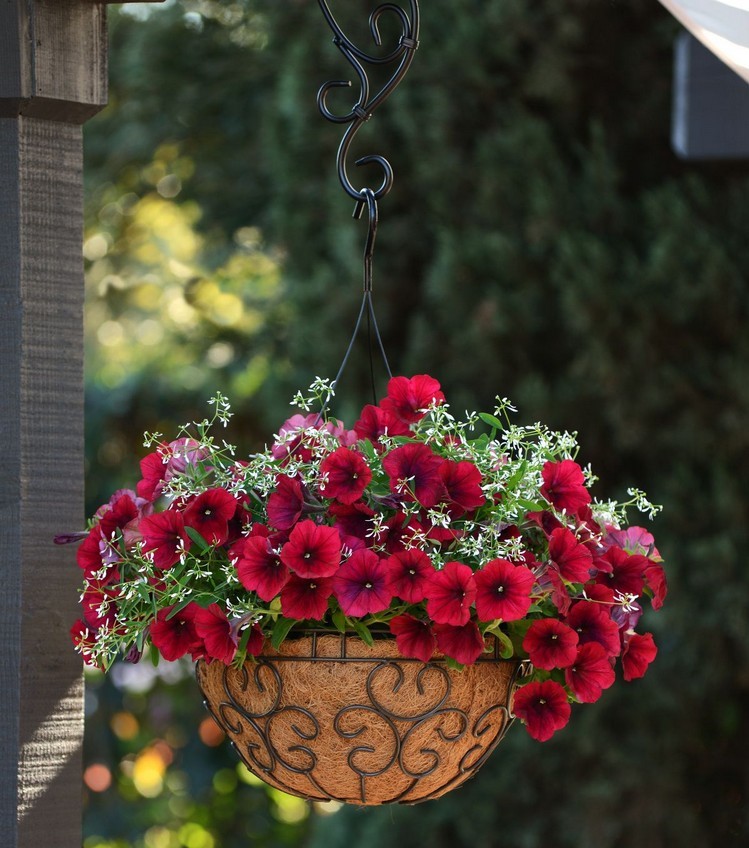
288, 808
148, 773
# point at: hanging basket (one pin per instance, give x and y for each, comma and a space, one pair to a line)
328, 718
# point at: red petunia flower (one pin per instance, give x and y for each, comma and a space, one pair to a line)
313, 550
572, 559
621, 571
550, 644
408, 398
462, 482
639, 651
346, 475
84, 639
655, 578
259, 567
503, 590
564, 485
361, 584
375, 422
214, 628
256, 641
463, 643
176, 636
121, 512
98, 557
590, 673
408, 574
413, 638
165, 535
450, 593
592, 623
209, 513
286, 503
414, 473
543, 708
352, 523
306, 597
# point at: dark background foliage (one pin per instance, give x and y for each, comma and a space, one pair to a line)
542, 242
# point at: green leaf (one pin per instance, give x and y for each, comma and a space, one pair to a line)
506, 648
281, 630
198, 540
491, 420
339, 620
362, 631
454, 664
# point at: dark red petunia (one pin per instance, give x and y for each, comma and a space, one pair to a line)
209, 513
352, 523
550, 644
214, 628
543, 708
176, 636
564, 485
122, 511
346, 475
306, 597
375, 422
639, 651
259, 567
590, 673
164, 534
408, 574
397, 532
153, 469
450, 593
97, 557
414, 472
592, 623
98, 604
286, 503
84, 639
256, 641
572, 559
408, 398
546, 520
313, 550
413, 638
621, 571
560, 595
655, 578
361, 584
462, 482
464, 643
503, 590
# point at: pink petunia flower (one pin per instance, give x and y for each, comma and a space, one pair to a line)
408, 398
572, 559
413, 638
213, 627
361, 584
176, 636
550, 644
259, 567
639, 651
164, 534
346, 475
414, 472
503, 590
464, 643
564, 485
592, 622
306, 597
209, 513
543, 708
408, 575
450, 593
313, 550
590, 673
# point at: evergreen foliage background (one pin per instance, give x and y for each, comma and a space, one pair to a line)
542, 242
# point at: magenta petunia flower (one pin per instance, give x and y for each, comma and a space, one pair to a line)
413, 638
361, 584
590, 673
408, 574
550, 644
408, 398
450, 593
176, 636
164, 534
543, 708
306, 597
375, 422
463, 643
564, 485
209, 513
313, 550
572, 559
503, 590
621, 571
214, 628
592, 622
414, 472
346, 475
259, 567
639, 651
462, 482
286, 503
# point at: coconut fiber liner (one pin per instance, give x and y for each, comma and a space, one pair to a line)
327, 717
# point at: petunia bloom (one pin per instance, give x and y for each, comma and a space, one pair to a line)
345, 474
375, 422
214, 628
462, 482
450, 593
571, 558
409, 397
165, 536
414, 638
209, 514
259, 567
463, 643
543, 708
639, 651
361, 584
621, 571
175, 635
503, 590
414, 472
564, 485
590, 673
408, 575
306, 597
550, 644
592, 622
313, 550
286, 503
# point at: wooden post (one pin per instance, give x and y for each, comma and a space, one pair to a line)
52, 78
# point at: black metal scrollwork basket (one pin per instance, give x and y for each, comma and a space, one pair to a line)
327, 717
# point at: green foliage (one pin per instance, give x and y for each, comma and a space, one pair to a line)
541, 241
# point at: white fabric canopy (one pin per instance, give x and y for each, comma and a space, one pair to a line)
721, 25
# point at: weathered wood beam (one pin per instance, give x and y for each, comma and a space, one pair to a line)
52, 77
